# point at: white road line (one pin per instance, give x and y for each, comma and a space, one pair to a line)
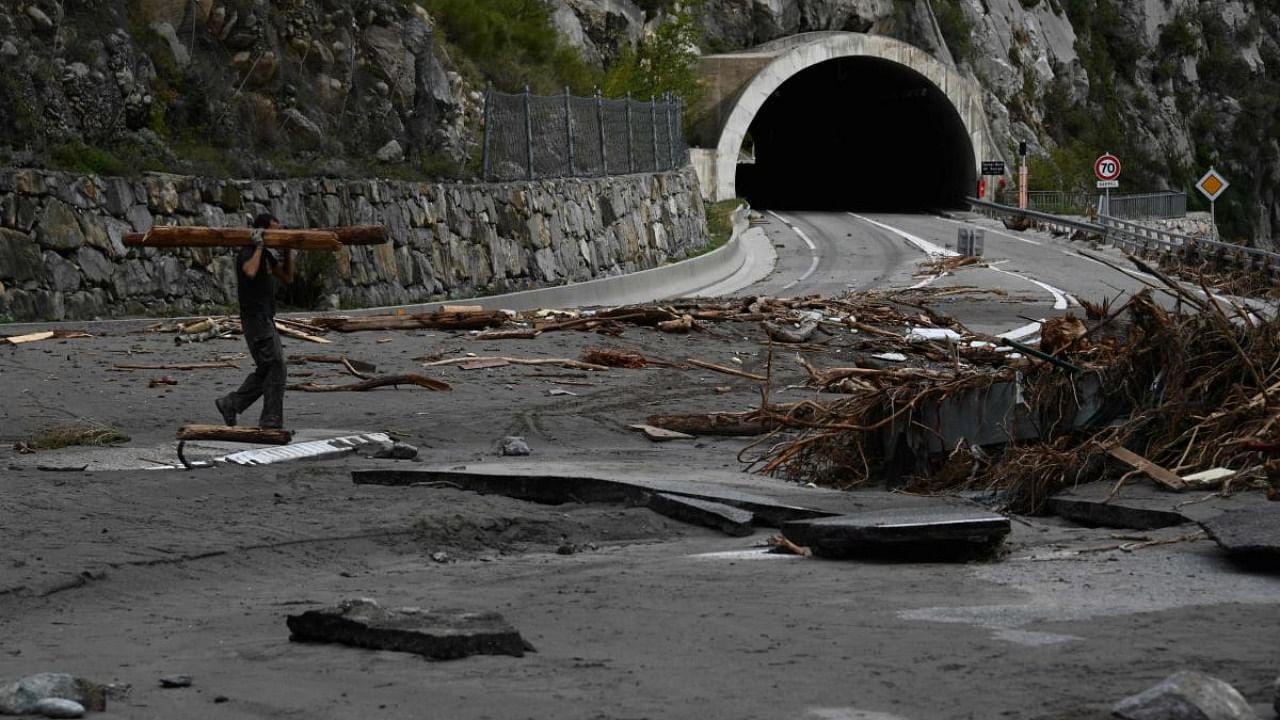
813, 262
1061, 299
1022, 332
923, 245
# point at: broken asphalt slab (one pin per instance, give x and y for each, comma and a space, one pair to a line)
725, 518
1140, 505
929, 534
556, 489
437, 634
1250, 533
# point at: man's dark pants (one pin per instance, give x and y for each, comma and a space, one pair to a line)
268, 378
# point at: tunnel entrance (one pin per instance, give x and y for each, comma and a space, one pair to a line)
857, 133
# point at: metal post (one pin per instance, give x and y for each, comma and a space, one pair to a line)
568, 124
488, 110
653, 129
631, 157
671, 135
528, 136
604, 159
1213, 221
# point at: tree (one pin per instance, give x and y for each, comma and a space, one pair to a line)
665, 61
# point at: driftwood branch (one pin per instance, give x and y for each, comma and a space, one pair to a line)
392, 380
566, 362
262, 436
727, 370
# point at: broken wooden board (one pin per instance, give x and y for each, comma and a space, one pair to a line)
261, 436
658, 434
175, 366
739, 423
437, 634
293, 332
1154, 471
29, 338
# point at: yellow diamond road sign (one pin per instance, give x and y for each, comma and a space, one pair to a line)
1212, 184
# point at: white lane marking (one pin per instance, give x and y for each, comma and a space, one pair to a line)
924, 282
1021, 332
994, 232
813, 262
923, 245
1060, 297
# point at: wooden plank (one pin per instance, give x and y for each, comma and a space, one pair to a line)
29, 338
1157, 473
295, 333
361, 234
261, 436
658, 434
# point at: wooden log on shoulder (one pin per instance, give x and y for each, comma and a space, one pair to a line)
285, 238
261, 436
198, 236
361, 234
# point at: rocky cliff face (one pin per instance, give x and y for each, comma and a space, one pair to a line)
251, 88
225, 87
1172, 86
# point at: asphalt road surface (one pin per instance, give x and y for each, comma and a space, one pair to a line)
124, 574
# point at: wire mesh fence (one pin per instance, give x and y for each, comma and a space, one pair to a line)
1161, 205
529, 137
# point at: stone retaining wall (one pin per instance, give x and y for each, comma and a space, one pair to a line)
62, 255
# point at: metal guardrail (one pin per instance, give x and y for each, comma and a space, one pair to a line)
1140, 206
1139, 239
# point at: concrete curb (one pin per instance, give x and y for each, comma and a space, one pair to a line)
684, 278
679, 279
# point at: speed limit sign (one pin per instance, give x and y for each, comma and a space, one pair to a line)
1107, 167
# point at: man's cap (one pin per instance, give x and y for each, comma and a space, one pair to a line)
264, 220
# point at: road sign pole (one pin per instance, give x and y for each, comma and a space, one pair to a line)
1213, 221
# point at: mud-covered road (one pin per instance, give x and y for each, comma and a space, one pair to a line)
122, 574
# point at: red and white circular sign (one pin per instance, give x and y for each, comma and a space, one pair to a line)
1107, 167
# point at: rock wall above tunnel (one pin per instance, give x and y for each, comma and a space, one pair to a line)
62, 254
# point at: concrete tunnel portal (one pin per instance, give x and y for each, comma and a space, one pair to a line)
839, 120
857, 133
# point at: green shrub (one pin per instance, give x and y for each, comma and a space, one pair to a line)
77, 157
956, 29
512, 44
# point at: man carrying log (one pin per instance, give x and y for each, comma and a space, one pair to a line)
256, 271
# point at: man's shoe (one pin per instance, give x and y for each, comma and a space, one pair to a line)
228, 415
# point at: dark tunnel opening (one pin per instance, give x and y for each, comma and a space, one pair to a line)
857, 133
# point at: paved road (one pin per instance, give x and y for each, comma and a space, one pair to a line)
1039, 276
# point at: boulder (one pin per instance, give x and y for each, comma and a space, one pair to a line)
58, 227
20, 258
23, 696
1186, 695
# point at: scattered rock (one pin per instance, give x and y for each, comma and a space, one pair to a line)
22, 697
59, 708
514, 445
41, 20
395, 451
440, 556
8, 49
175, 681
438, 634
1186, 695
391, 152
